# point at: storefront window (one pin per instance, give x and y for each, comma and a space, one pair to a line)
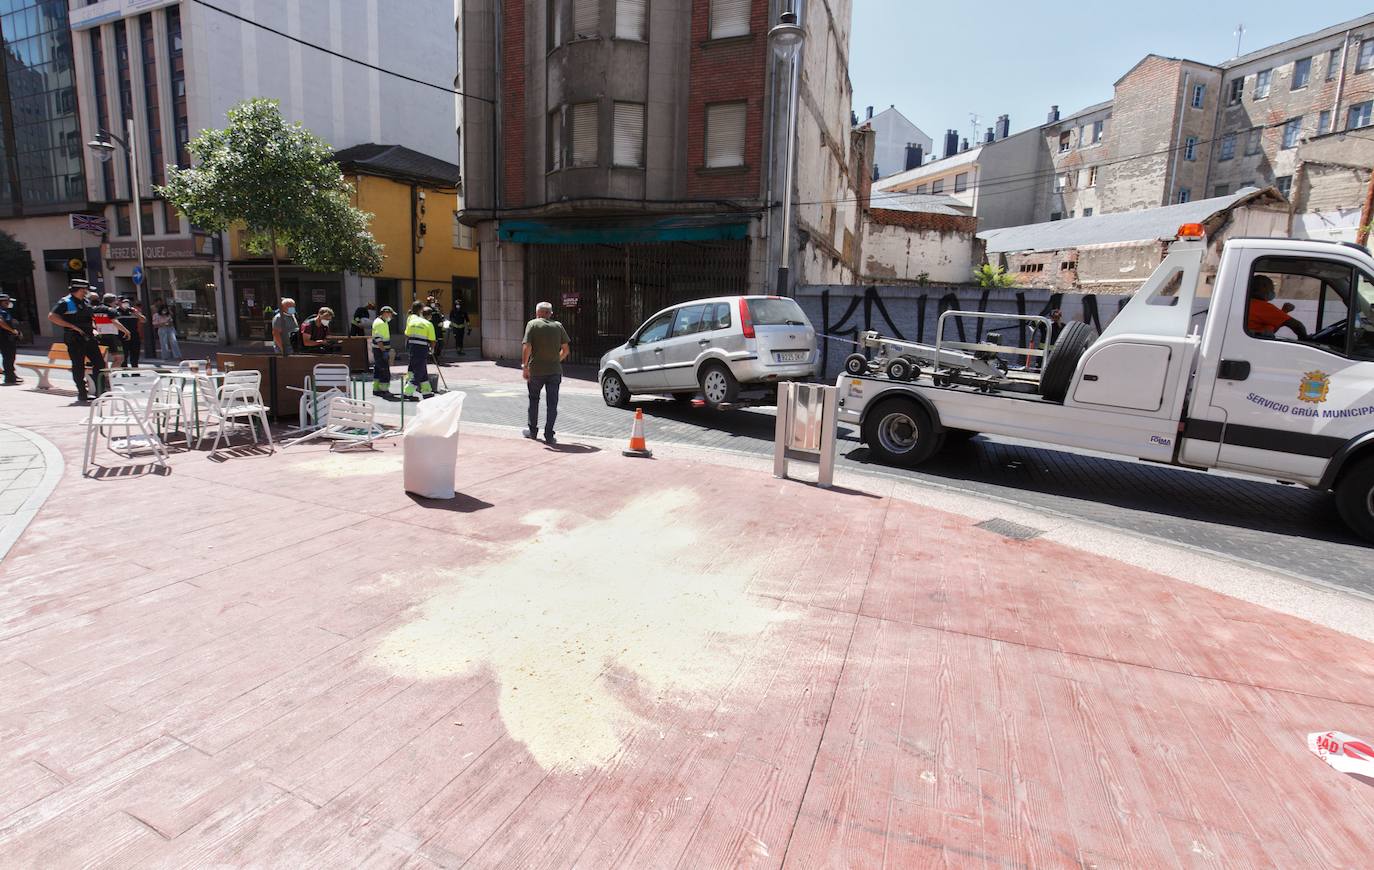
255, 300
191, 293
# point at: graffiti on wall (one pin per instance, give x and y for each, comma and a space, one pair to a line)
841, 313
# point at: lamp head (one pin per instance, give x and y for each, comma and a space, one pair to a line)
101, 147
787, 35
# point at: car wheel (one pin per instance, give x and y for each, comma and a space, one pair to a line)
614, 391
1063, 362
900, 432
1355, 498
718, 385
856, 364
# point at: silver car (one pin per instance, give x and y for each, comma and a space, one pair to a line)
718, 347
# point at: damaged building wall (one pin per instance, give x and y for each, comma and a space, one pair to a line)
902, 246
1329, 186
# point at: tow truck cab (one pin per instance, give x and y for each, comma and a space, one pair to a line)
1194, 371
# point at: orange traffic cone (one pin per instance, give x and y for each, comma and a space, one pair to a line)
637, 446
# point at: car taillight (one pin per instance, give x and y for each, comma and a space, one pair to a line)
745, 321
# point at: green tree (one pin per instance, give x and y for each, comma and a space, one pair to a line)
988, 275
16, 264
281, 182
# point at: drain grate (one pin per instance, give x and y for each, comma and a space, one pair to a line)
1008, 529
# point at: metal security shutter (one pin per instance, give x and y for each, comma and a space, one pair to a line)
583, 121
729, 18
725, 134
584, 17
629, 135
629, 19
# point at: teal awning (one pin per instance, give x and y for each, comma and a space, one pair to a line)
666, 230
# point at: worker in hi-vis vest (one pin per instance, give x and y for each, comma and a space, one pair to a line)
381, 352
419, 339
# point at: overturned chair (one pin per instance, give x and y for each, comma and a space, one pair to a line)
347, 424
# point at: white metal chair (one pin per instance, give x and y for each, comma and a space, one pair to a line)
159, 397
348, 424
240, 398
200, 365
111, 412
326, 381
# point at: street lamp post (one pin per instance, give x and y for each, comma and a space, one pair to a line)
787, 38
104, 151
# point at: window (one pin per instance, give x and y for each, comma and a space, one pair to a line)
1221, 190
729, 18
1199, 94
1237, 90
1358, 115
1252, 143
582, 141
1324, 122
1366, 57
1228, 147
1083, 136
725, 126
555, 140
171, 218
629, 19
1302, 73
1087, 212
1318, 294
1061, 181
656, 329
122, 225
1291, 130
1072, 214
1185, 194
1092, 176
1056, 215
961, 182
689, 320
628, 144
1284, 183
585, 18
719, 317
922, 188
1262, 80
1333, 64
1064, 141
1097, 131
937, 186
1190, 148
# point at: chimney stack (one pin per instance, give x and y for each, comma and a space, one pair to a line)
963, 146
1054, 115
1003, 126
870, 114
853, 118
876, 176
951, 142
914, 155
988, 136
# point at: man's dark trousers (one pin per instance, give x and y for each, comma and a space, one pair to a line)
550, 384
133, 351
85, 353
7, 351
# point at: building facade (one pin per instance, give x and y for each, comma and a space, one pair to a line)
622, 155
894, 134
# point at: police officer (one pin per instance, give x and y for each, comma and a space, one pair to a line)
73, 313
381, 352
9, 339
419, 339
130, 318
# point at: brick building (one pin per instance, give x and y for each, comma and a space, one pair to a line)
637, 157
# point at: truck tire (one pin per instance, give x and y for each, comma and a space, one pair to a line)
900, 432
898, 369
1355, 498
856, 364
1063, 362
718, 384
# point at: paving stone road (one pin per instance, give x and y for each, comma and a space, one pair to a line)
1288, 528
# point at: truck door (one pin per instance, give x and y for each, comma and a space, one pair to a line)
1295, 378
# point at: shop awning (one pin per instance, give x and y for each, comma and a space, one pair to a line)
667, 230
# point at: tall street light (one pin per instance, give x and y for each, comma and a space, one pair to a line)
787, 38
104, 151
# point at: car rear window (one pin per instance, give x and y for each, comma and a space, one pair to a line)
776, 312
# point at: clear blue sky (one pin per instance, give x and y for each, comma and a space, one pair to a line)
939, 61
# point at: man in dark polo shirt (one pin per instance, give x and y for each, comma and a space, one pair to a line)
546, 346
74, 314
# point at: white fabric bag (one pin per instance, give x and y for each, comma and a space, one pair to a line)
431, 446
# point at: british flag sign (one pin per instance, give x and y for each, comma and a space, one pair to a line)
90, 223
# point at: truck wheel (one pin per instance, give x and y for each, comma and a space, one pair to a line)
1063, 362
1355, 498
898, 369
900, 432
718, 385
614, 391
856, 364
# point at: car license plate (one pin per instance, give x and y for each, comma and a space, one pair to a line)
790, 356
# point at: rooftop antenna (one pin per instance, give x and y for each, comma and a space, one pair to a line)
1240, 34
973, 119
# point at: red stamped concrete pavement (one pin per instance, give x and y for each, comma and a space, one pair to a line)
585, 660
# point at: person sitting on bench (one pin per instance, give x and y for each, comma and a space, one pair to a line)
315, 332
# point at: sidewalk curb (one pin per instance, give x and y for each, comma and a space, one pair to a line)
53, 466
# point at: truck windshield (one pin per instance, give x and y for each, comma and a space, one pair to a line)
776, 312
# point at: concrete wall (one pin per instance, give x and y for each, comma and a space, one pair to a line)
1329, 186
1006, 190
919, 247
894, 132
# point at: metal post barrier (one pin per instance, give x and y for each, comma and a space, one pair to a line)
806, 427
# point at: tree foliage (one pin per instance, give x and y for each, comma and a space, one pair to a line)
280, 182
16, 263
988, 275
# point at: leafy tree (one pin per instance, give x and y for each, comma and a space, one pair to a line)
281, 182
988, 275
16, 264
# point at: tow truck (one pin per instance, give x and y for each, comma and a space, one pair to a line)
1184, 375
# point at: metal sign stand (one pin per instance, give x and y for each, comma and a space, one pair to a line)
807, 417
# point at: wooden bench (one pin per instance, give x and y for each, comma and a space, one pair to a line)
58, 361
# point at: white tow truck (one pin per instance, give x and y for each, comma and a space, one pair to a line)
1192, 372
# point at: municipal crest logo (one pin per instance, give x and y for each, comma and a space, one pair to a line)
1313, 387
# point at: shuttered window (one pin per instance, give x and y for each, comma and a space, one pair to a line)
584, 17
725, 134
729, 18
629, 135
555, 140
629, 19
582, 120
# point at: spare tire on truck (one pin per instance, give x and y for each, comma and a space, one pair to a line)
1063, 362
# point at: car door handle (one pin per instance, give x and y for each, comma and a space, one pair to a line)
704, 341
1234, 370
658, 350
